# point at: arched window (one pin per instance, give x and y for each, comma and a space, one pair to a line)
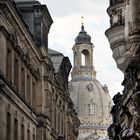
92, 109
85, 58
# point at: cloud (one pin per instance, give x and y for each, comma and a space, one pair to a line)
68, 7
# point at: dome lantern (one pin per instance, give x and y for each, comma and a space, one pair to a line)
83, 37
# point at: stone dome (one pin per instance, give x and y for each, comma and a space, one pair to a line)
90, 97
83, 37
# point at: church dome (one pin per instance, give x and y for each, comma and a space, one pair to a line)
92, 104
90, 97
83, 37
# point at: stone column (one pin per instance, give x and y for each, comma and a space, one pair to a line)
91, 57
126, 19
78, 58
74, 57
134, 10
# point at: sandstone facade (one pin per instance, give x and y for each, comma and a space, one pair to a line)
34, 97
124, 39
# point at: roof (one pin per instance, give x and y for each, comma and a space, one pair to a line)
83, 37
54, 53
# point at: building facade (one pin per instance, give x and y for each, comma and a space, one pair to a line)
34, 99
91, 99
124, 39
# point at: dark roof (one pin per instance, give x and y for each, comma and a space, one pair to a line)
83, 37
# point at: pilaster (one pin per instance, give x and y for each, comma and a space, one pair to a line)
3, 53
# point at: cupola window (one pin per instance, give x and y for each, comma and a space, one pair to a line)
85, 58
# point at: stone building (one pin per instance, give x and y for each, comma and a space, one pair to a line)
34, 99
124, 39
91, 99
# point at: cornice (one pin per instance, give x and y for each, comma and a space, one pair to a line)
4, 83
4, 31
117, 6
20, 52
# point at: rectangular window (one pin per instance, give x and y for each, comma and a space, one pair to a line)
9, 65
92, 109
22, 132
28, 88
8, 126
15, 129
51, 106
33, 136
33, 94
23, 81
16, 73
28, 134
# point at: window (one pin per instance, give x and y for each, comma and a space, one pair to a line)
33, 94
28, 134
34, 131
23, 81
15, 129
9, 64
33, 136
85, 58
28, 88
51, 107
16, 73
92, 109
8, 126
22, 132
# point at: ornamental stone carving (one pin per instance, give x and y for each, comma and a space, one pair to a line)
136, 113
90, 87
132, 132
14, 37
126, 2
128, 134
114, 131
117, 98
116, 17
134, 27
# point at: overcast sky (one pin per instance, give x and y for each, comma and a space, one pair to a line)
66, 15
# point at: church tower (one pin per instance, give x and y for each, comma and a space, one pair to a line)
91, 99
83, 56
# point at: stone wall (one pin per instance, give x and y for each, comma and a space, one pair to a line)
34, 104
